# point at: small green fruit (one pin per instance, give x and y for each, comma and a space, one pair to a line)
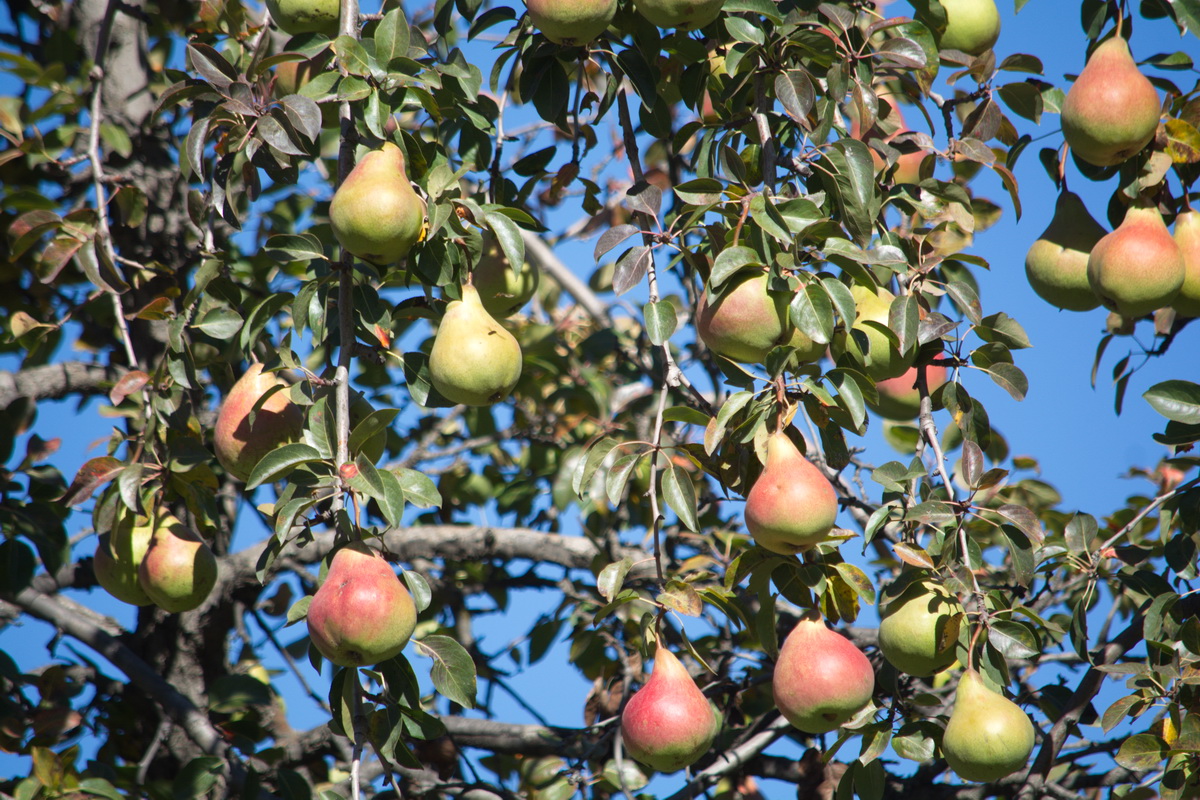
988, 736
306, 16
918, 627
571, 23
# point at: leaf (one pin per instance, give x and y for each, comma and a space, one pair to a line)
913, 555
1023, 519
280, 462
680, 495
660, 321
197, 777
1013, 639
126, 385
794, 90
211, 65
682, 597
94, 473
612, 578
631, 268
730, 261
613, 237
646, 198
419, 488
418, 587
453, 672
1010, 378
1142, 751
858, 580
1176, 400
811, 311
586, 468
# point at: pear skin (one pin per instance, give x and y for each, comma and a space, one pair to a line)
502, 289
988, 736
685, 15
279, 421
1138, 267
972, 26
668, 724
361, 614
375, 213
908, 165
571, 23
792, 506
880, 360
1056, 264
1111, 111
1187, 236
474, 360
306, 16
119, 553
179, 570
899, 398
746, 320
917, 623
821, 679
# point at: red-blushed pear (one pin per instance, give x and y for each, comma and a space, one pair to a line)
918, 627
821, 679
792, 506
1056, 264
908, 165
746, 320
899, 398
361, 614
474, 360
277, 422
179, 570
1111, 111
571, 22
119, 553
375, 214
1187, 236
1138, 267
988, 735
668, 724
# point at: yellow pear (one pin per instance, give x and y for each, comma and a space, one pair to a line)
988, 736
375, 213
118, 555
866, 343
1187, 236
306, 16
571, 23
792, 506
972, 26
916, 627
278, 421
474, 360
179, 570
1111, 111
1138, 267
1056, 264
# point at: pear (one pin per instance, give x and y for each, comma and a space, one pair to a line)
1138, 267
899, 398
118, 555
502, 289
361, 614
908, 165
1056, 264
792, 506
1111, 111
1187, 236
988, 736
306, 16
685, 15
179, 570
571, 23
881, 360
972, 26
474, 360
375, 213
821, 679
917, 627
668, 724
277, 422
746, 320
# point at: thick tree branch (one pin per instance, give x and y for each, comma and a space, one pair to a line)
56, 381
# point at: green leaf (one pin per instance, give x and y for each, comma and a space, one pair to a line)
280, 462
682, 597
295, 247
618, 476
391, 38
220, 323
370, 435
1142, 751
794, 90
612, 578
197, 777
587, 466
848, 174
858, 580
1176, 400
419, 488
508, 235
680, 495
811, 311
1010, 378
1013, 639
299, 609
660, 321
730, 261
453, 672
418, 587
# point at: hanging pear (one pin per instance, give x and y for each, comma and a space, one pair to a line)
119, 553
1056, 264
821, 679
361, 614
1187, 236
306, 16
899, 398
792, 506
375, 213
238, 443
1138, 267
972, 26
685, 15
918, 626
866, 343
1111, 111
474, 360
988, 736
668, 724
745, 320
179, 570
502, 289
571, 23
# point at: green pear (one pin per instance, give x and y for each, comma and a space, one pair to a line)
502, 289
972, 26
474, 360
1187, 236
361, 614
571, 23
745, 320
118, 555
988, 736
1138, 267
899, 398
179, 570
668, 724
238, 443
880, 360
1056, 264
918, 626
306, 16
375, 213
821, 679
685, 15
792, 506
1111, 111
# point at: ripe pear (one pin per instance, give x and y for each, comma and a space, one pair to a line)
1111, 111
1138, 267
821, 679
988, 736
747, 320
1056, 264
361, 614
279, 421
917, 627
908, 165
972, 26
474, 360
306, 16
571, 23
375, 213
881, 360
668, 724
685, 15
118, 555
179, 570
1187, 236
899, 398
792, 506
502, 289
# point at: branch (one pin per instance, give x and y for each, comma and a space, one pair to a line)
56, 381
544, 258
